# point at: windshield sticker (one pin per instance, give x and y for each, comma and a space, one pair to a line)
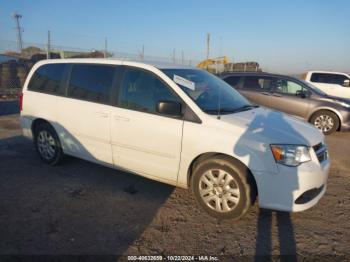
184, 82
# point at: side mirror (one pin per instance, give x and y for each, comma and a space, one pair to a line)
303, 93
169, 108
346, 83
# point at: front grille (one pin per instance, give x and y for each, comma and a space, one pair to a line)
321, 152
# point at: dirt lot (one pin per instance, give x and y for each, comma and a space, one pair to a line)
84, 208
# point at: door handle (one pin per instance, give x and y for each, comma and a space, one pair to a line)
265, 93
121, 118
101, 114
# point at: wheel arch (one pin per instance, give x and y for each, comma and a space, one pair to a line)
38, 121
340, 118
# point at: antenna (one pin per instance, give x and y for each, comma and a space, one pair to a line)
219, 104
19, 31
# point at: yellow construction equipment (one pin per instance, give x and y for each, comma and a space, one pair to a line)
222, 60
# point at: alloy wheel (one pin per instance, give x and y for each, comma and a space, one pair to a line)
46, 145
324, 123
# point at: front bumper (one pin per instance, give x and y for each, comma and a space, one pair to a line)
293, 188
345, 126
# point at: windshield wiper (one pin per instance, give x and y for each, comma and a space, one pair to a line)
231, 110
245, 108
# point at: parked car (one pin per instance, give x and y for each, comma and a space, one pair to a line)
178, 125
332, 83
295, 97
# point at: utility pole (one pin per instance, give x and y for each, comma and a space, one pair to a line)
105, 51
208, 47
182, 57
48, 52
143, 53
19, 31
174, 56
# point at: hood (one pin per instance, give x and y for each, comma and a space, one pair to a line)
271, 126
337, 99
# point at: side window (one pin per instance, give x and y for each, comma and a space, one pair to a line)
328, 78
288, 87
261, 83
339, 79
91, 82
233, 81
47, 79
315, 77
142, 90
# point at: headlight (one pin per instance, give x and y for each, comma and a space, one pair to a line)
290, 155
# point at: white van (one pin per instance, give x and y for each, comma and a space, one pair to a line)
178, 125
332, 83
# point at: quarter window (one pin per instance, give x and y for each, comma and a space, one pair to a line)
233, 81
142, 90
47, 79
91, 82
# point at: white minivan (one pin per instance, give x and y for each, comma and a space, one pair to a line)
178, 125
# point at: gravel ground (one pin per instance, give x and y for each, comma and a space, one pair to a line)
83, 208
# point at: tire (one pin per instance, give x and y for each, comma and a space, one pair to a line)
326, 121
47, 144
233, 198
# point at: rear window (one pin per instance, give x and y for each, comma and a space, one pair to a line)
47, 79
91, 82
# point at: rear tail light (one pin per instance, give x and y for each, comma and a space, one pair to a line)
20, 101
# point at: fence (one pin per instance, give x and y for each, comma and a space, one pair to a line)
15, 65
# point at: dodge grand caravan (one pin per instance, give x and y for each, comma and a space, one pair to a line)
178, 125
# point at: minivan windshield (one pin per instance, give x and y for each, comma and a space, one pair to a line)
210, 93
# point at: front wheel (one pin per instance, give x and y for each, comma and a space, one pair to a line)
326, 121
222, 188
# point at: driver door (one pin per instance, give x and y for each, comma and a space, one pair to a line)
286, 97
144, 141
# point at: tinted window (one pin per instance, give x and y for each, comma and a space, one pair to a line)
47, 79
328, 78
91, 82
233, 80
288, 87
258, 83
142, 90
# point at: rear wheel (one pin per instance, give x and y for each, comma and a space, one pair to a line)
222, 188
47, 144
326, 121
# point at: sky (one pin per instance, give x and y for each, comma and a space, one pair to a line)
283, 36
